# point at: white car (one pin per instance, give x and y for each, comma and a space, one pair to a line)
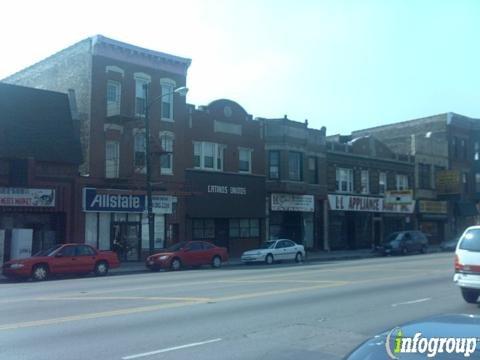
467, 264
275, 250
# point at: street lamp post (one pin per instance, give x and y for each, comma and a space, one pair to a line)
182, 91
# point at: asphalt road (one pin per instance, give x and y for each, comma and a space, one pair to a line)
287, 311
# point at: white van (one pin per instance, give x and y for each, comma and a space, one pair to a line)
467, 264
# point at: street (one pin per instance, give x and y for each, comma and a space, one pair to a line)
285, 311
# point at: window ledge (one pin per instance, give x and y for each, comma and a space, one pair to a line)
167, 120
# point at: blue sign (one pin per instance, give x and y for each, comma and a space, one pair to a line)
108, 200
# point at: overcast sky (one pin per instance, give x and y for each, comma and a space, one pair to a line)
345, 65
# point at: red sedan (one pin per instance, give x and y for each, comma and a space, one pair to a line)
62, 259
188, 253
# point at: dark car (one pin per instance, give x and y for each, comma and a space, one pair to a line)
463, 327
404, 242
449, 245
186, 254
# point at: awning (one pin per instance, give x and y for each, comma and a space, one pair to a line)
466, 208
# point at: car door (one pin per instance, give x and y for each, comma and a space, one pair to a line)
86, 258
192, 254
290, 249
408, 241
64, 260
208, 253
280, 252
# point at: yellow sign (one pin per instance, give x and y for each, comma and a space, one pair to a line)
432, 207
448, 182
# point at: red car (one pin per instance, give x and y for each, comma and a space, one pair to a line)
62, 259
188, 253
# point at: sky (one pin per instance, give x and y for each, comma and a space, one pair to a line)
346, 65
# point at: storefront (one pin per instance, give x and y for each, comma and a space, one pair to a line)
361, 222
117, 220
226, 209
291, 216
432, 219
30, 220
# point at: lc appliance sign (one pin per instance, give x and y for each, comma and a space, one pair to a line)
112, 201
364, 203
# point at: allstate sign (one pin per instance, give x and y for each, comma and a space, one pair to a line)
107, 200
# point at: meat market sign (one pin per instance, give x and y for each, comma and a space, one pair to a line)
27, 197
365, 203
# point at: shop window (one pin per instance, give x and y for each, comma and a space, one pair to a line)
382, 183
364, 182
244, 228
203, 229
113, 97
312, 170
344, 180
274, 164
401, 182
245, 160
295, 166
166, 158
424, 176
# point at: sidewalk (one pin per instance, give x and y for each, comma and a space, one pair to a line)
312, 256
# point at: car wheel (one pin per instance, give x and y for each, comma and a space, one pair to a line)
40, 273
299, 257
470, 295
176, 264
216, 262
269, 259
101, 268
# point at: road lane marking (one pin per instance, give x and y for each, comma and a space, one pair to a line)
155, 352
411, 302
151, 298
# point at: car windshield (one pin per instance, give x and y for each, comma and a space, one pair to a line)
47, 252
471, 240
268, 245
392, 237
177, 246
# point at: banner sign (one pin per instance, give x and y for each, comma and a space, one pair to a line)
448, 182
399, 197
364, 203
27, 197
108, 200
292, 202
163, 204
432, 207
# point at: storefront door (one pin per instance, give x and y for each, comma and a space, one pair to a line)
126, 240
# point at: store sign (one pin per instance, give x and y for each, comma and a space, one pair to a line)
27, 197
292, 202
448, 182
222, 189
365, 203
399, 197
163, 204
432, 207
107, 200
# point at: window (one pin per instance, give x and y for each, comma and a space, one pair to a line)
465, 182
401, 182
437, 171
208, 156
68, 251
312, 170
245, 160
166, 158
113, 97
424, 176
344, 180
295, 166
83, 250
112, 159
203, 228
274, 164
382, 183
244, 228
364, 182
195, 246
463, 148
167, 100
140, 96
477, 182
140, 150
455, 147
477, 151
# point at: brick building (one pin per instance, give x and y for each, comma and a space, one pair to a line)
107, 80
446, 148
39, 158
296, 183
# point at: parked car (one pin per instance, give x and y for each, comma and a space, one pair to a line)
275, 250
186, 254
440, 326
449, 245
467, 264
62, 259
404, 242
